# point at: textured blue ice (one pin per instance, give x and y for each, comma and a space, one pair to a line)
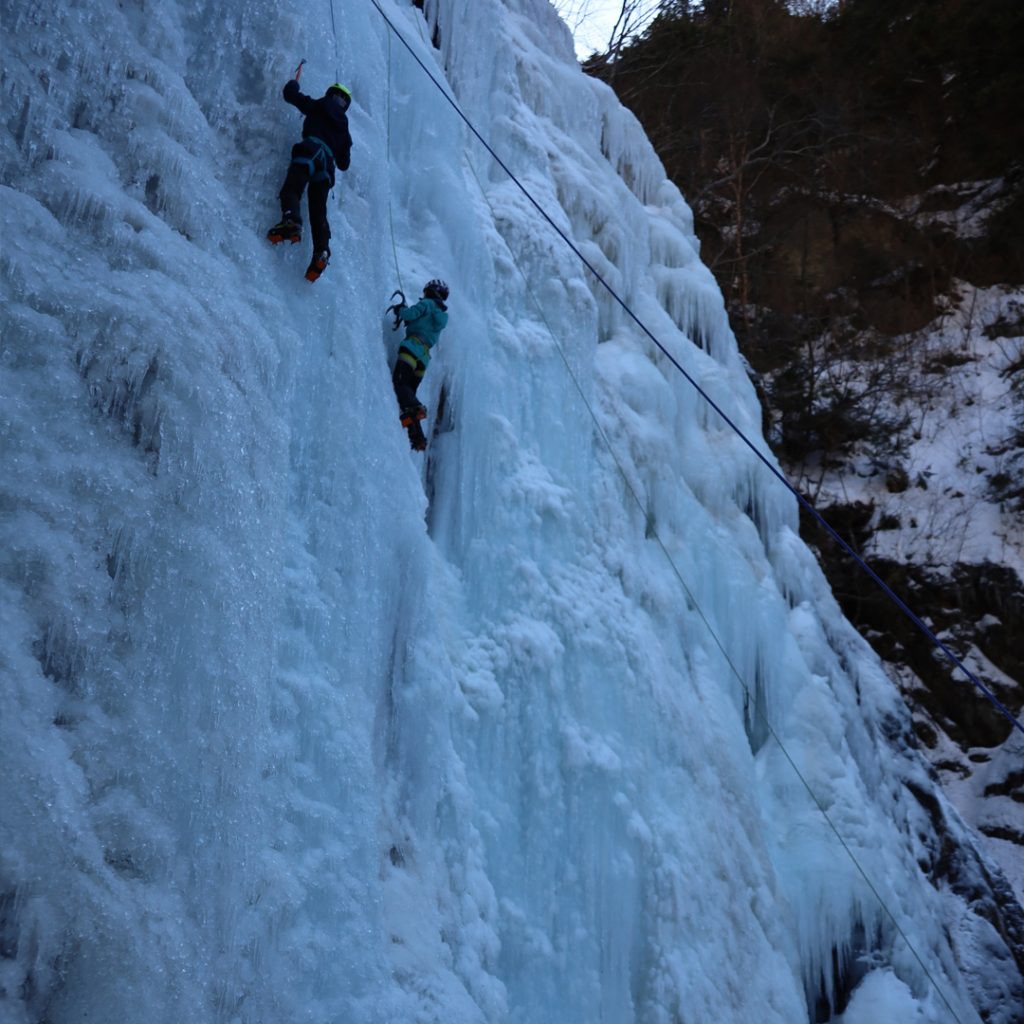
281, 739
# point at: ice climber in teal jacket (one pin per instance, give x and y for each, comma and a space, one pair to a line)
423, 325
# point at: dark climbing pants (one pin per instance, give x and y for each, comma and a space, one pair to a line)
405, 380
304, 167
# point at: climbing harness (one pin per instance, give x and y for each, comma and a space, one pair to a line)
409, 359
320, 162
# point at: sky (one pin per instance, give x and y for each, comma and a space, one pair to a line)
596, 18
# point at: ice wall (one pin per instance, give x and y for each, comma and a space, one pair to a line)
281, 739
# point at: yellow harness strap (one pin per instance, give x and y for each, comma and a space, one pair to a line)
407, 357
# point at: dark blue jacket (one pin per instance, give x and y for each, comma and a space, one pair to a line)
325, 120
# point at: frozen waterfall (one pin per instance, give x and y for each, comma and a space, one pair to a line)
559, 725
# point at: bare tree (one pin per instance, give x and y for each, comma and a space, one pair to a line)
575, 13
632, 17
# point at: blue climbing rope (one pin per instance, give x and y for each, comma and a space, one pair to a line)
890, 593
334, 32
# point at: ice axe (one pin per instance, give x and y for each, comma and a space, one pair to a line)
298, 70
396, 307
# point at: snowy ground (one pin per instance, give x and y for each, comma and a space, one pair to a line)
959, 438
583, 737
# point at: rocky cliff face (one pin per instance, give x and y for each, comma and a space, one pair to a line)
903, 418
888, 341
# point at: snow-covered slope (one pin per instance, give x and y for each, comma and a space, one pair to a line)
941, 515
280, 739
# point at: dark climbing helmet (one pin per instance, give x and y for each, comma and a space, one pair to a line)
436, 289
337, 89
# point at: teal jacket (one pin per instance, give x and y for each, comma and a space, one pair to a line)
424, 323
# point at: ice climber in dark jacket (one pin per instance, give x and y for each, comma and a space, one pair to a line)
326, 145
423, 325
